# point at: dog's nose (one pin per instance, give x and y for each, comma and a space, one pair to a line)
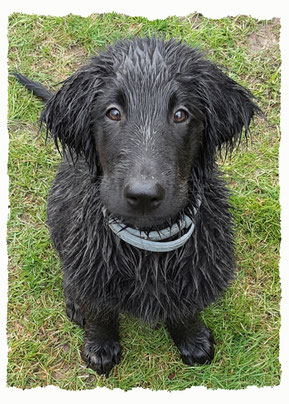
144, 196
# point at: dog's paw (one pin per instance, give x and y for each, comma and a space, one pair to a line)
101, 357
198, 349
74, 314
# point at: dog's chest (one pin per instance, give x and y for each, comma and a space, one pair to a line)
150, 287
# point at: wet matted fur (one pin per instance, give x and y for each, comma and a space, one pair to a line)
140, 126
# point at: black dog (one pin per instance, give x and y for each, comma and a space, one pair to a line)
138, 212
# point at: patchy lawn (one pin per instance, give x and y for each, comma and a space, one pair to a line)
44, 346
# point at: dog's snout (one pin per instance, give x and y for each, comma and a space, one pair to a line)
144, 196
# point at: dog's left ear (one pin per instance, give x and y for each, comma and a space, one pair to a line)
68, 115
227, 107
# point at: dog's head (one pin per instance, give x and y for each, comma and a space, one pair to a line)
143, 114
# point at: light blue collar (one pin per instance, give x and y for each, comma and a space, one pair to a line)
152, 241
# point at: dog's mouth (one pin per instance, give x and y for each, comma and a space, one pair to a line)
144, 224
147, 222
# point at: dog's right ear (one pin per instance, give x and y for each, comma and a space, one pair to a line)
68, 114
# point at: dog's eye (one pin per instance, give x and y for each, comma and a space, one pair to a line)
113, 114
180, 116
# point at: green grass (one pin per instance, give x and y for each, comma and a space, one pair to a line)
44, 347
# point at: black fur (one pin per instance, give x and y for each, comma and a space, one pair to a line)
145, 168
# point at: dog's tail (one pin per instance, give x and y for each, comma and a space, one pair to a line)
37, 89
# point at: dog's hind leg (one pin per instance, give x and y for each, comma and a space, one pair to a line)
101, 350
193, 339
73, 309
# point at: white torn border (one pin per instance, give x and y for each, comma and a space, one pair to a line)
157, 9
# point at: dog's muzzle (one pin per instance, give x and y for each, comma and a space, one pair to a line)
154, 240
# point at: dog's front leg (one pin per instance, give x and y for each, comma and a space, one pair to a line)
193, 339
101, 350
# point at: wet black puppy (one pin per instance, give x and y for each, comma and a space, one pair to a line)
138, 212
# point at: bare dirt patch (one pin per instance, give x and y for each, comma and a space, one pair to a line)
265, 37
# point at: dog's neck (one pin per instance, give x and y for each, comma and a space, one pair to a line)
154, 240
